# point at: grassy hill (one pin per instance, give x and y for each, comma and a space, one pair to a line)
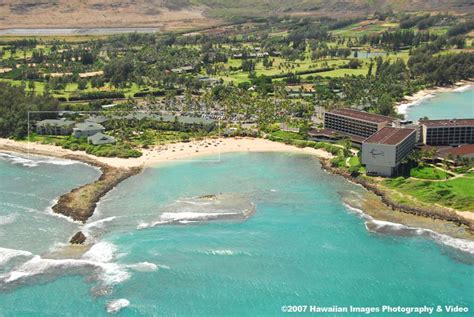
186, 14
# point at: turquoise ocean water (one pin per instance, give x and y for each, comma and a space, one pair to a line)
447, 105
157, 250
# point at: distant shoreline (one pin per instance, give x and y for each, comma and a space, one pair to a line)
412, 100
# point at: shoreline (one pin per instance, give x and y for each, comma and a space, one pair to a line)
460, 218
424, 94
183, 151
116, 170
79, 204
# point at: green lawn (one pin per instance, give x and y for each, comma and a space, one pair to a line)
456, 193
354, 161
287, 135
427, 173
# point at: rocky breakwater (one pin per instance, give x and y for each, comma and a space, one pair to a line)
80, 203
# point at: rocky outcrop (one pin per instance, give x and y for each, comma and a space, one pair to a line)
433, 212
80, 203
78, 238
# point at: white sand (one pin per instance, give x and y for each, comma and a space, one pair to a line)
176, 151
421, 95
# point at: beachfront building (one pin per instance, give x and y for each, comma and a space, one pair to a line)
54, 127
383, 151
447, 131
87, 129
100, 139
354, 124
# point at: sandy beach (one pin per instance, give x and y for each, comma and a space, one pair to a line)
170, 152
409, 101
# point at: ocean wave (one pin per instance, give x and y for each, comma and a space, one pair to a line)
108, 273
220, 252
224, 252
464, 88
50, 212
8, 219
403, 108
98, 224
184, 218
143, 267
24, 195
7, 254
116, 305
33, 162
96, 261
387, 227
101, 252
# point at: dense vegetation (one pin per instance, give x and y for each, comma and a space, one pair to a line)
271, 70
17, 107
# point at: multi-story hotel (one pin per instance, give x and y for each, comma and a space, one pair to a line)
383, 151
355, 122
447, 132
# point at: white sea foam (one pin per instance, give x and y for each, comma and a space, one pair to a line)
96, 260
464, 88
162, 266
101, 252
403, 108
116, 305
8, 219
443, 239
108, 273
7, 254
50, 212
143, 267
179, 216
220, 252
31, 161
98, 224
189, 217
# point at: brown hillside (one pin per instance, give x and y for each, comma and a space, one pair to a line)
186, 14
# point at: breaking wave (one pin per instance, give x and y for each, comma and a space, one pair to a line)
393, 228
204, 208
143, 267
403, 108
96, 263
8, 219
225, 252
8, 254
31, 161
87, 229
184, 218
116, 305
464, 88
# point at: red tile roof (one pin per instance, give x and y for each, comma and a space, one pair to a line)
462, 150
336, 135
448, 122
389, 135
362, 115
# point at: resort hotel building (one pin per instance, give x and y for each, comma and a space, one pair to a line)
383, 151
354, 124
447, 132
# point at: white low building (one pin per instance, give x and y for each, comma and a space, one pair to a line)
383, 151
